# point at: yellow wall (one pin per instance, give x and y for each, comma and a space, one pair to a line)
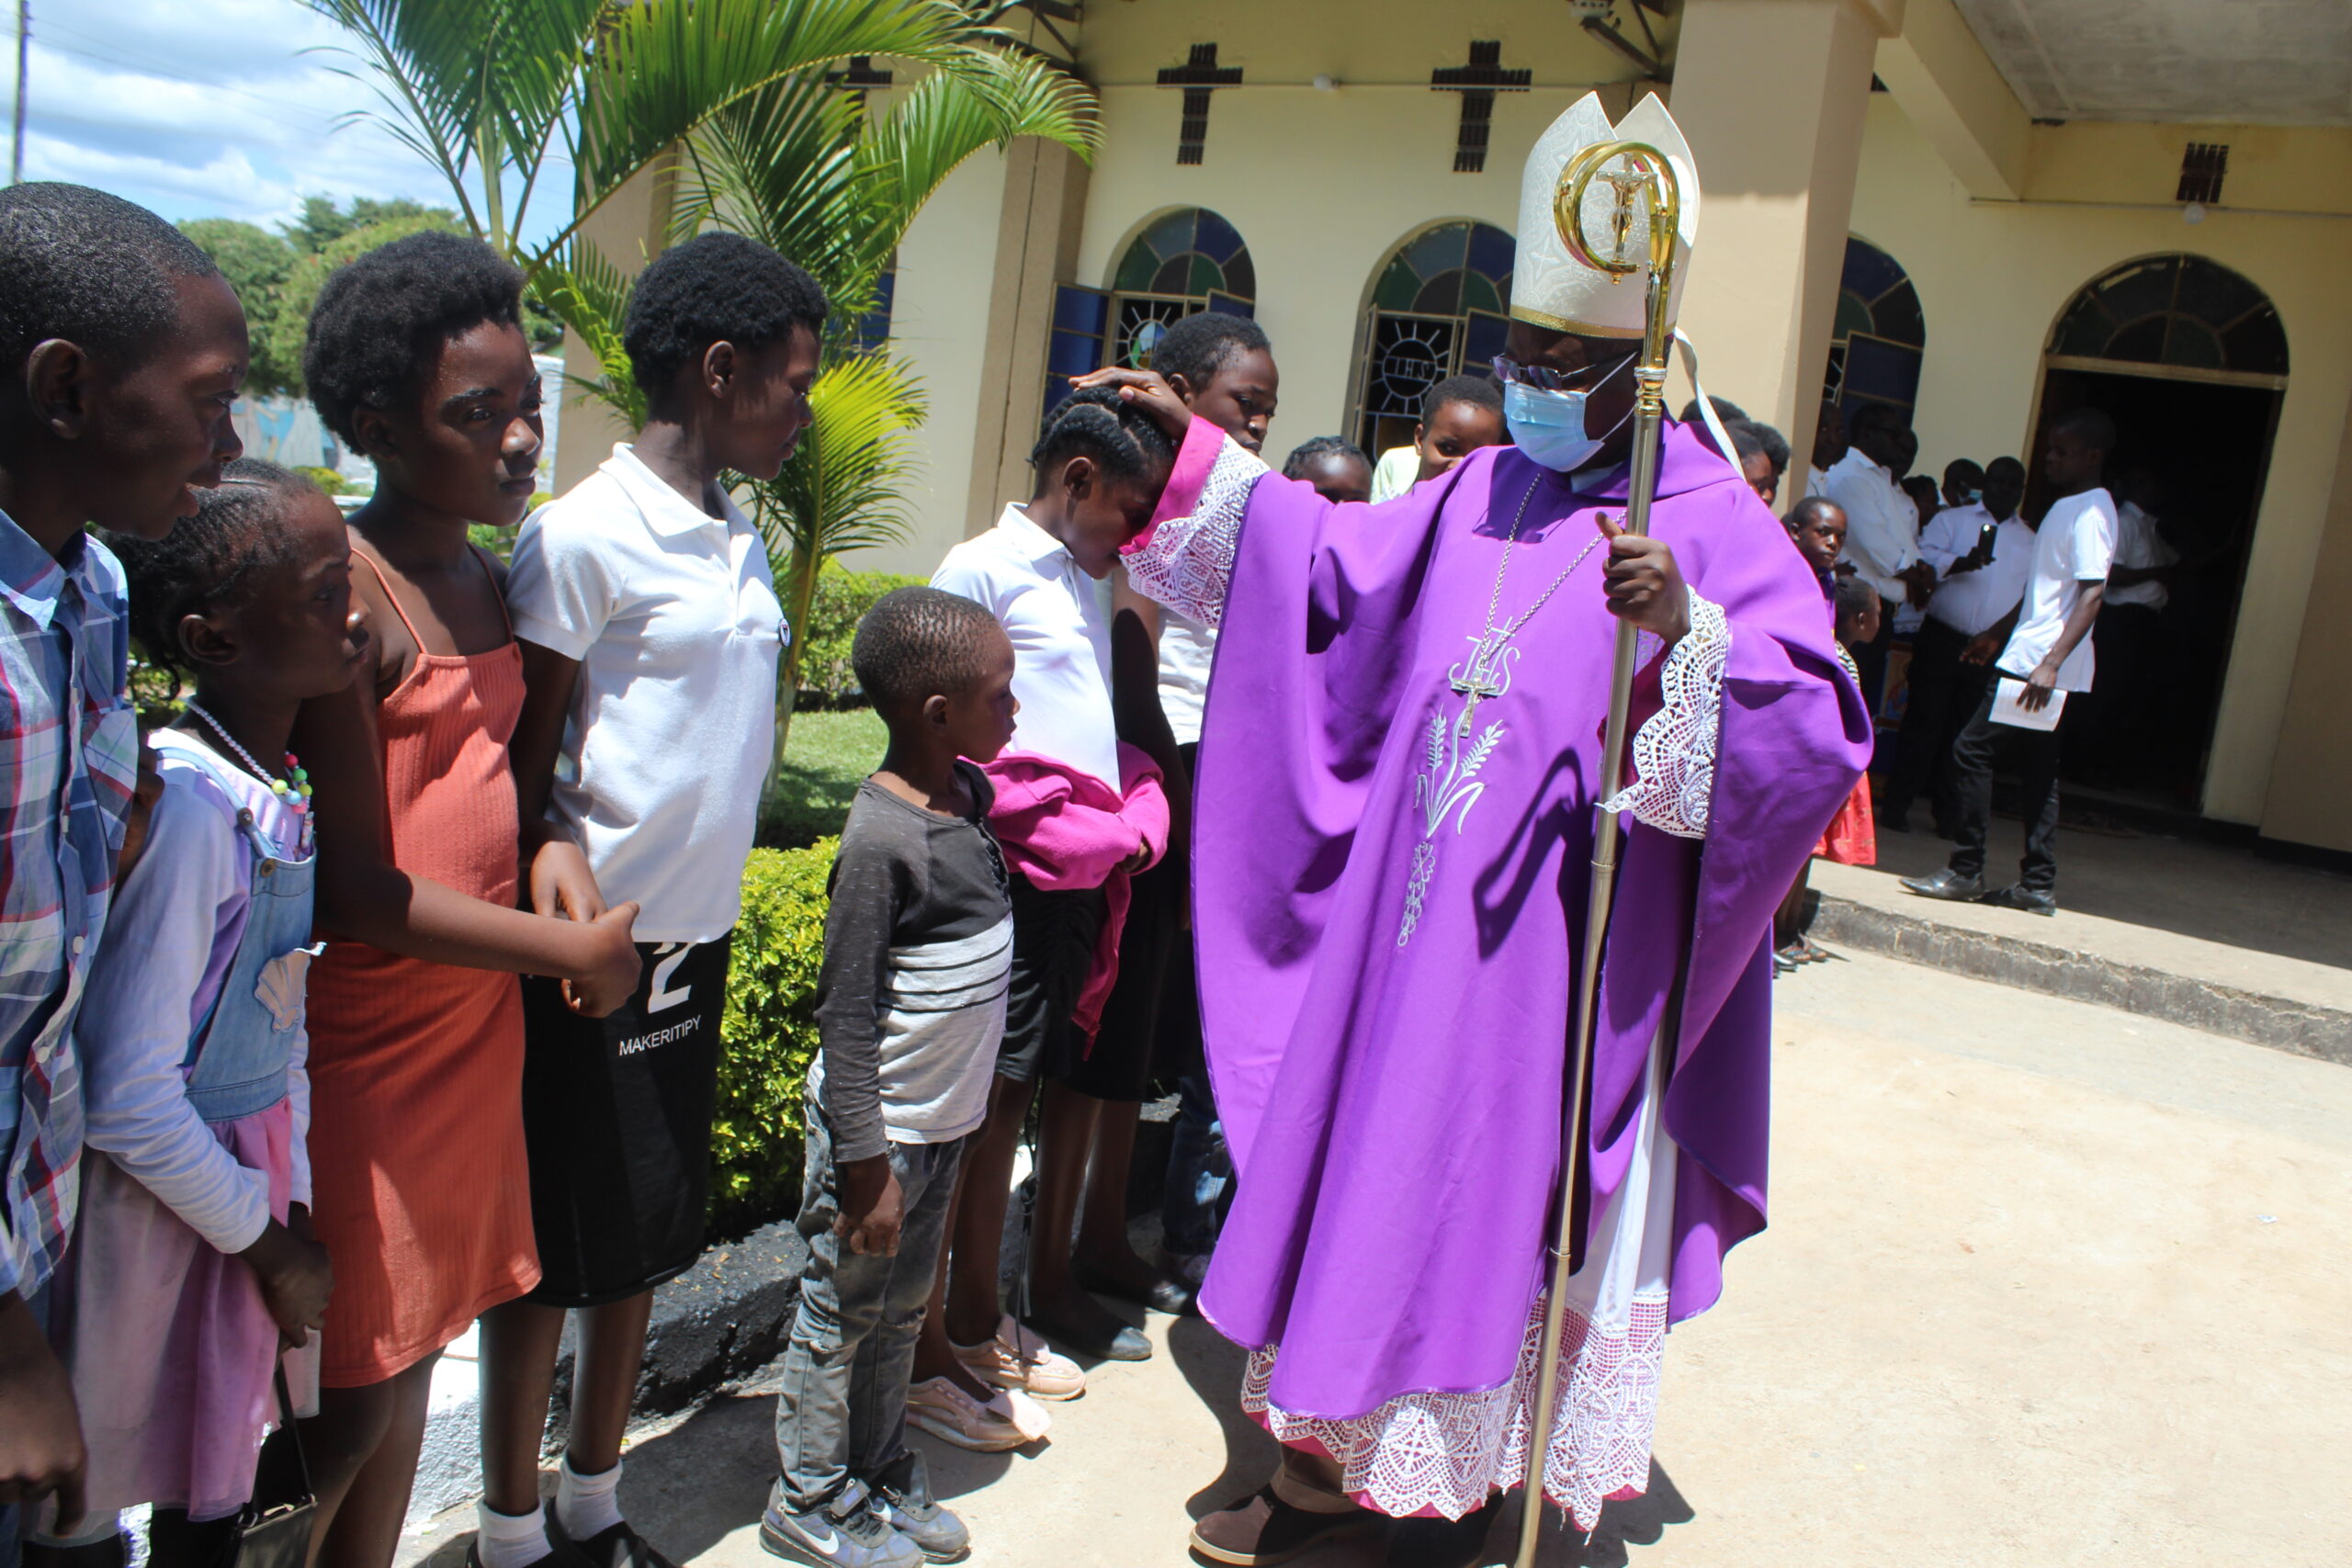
1991, 278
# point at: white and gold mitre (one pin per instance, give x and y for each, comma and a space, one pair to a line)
1549, 287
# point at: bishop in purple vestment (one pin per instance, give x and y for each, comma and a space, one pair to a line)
1396, 807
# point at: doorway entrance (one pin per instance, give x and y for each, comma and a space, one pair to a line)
2189, 361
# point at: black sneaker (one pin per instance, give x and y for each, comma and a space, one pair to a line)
615, 1546
844, 1533
902, 1497
1947, 885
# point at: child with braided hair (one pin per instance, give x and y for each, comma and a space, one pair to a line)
1079, 813
194, 1264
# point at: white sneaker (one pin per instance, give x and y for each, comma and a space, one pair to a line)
1006, 1421
1018, 1359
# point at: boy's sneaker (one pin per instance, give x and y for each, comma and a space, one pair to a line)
1018, 1359
847, 1532
902, 1498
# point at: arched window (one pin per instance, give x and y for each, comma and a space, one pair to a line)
1879, 337
1185, 261
2182, 311
1437, 310
1188, 260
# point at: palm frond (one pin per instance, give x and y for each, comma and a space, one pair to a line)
662, 69
589, 296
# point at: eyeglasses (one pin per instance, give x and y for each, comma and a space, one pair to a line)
1543, 378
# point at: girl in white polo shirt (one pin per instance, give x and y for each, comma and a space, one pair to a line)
650, 628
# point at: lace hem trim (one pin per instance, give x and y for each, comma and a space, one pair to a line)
1443, 1453
1188, 565
1674, 751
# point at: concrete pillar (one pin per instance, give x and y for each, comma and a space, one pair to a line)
630, 229
1036, 247
2306, 797
1771, 95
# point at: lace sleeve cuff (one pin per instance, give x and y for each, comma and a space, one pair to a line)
1184, 560
1673, 752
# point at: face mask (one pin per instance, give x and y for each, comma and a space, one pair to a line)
1549, 426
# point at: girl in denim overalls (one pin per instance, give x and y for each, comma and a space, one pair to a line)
192, 1267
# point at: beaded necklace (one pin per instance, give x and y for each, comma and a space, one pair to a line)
295, 793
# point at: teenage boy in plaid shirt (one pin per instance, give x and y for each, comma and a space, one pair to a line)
122, 350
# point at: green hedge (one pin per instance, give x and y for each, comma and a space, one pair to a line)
842, 598
770, 1037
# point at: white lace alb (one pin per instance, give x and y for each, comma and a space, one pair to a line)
1188, 564
1445, 1452
1674, 751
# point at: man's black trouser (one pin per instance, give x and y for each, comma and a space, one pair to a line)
2036, 752
1944, 693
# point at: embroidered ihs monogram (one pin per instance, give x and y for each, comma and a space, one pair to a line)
1448, 784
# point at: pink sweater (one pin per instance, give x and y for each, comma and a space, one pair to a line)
1067, 830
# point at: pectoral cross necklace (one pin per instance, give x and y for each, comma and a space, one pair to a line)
1486, 672
1449, 784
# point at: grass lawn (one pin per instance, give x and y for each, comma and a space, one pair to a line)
824, 758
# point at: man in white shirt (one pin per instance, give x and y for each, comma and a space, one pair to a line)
2120, 719
1828, 446
2045, 655
1882, 530
1982, 553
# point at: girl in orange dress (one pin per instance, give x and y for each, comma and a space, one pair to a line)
416, 358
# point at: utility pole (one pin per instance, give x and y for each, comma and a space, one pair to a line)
24, 48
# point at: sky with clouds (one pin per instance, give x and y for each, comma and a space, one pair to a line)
204, 108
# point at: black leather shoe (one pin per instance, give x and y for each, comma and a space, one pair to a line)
1442, 1543
1947, 885
1160, 1296
2031, 901
1119, 1343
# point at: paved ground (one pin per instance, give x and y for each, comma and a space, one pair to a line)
2213, 892
2046, 1284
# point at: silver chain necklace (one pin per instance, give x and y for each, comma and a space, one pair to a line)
1486, 672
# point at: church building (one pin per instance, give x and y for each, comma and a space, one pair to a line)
1982, 212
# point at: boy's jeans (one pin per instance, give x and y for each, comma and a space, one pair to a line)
842, 1409
1200, 1170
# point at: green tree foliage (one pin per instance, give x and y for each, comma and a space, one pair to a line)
256, 262
321, 222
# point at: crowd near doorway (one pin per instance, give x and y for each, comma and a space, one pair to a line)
2190, 359
1438, 307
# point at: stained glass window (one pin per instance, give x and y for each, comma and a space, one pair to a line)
1187, 260
1878, 339
1438, 310
2175, 309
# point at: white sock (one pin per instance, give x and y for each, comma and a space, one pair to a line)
509, 1540
585, 1505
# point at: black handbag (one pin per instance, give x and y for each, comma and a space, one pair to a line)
274, 1529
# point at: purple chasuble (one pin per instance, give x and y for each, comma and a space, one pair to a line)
1394, 1107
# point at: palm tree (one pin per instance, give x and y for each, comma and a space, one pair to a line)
496, 91
820, 178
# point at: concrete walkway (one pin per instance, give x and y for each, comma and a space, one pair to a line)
2047, 1284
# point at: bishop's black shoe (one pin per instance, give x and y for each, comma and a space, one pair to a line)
2032, 901
1947, 885
1423, 1543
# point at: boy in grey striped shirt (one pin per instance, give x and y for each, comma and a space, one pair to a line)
909, 1010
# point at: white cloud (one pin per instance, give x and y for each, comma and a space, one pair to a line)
234, 108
